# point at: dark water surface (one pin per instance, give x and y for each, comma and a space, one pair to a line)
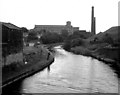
72, 73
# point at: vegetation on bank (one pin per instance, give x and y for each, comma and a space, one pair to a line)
104, 50
22, 62
101, 46
48, 37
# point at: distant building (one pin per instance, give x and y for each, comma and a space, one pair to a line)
56, 28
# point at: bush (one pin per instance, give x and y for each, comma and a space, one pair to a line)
64, 34
108, 39
67, 45
32, 36
49, 38
11, 67
77, 42
81, 50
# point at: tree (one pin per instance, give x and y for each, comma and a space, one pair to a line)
77, 42
67, 45
24, 29
50, 37
108, 39
64, 34
80, 34
32, 36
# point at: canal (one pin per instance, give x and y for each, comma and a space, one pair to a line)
72, 73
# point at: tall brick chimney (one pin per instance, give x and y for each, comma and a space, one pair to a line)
93, 22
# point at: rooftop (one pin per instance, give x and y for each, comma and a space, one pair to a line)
10, 25
49, 26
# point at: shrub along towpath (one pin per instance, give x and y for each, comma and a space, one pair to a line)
34, 60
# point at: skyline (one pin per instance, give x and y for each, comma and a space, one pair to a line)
27, 13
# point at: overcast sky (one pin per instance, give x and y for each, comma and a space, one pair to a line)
27, 13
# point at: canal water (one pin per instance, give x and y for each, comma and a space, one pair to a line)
72, 73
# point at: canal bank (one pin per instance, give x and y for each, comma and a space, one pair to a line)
8, 88
115, 64
31, 67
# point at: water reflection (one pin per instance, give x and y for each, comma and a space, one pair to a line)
48, 68
72, 73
